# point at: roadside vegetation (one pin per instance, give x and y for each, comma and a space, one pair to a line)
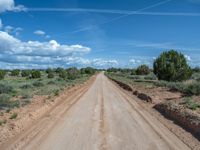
18, 87
172, 85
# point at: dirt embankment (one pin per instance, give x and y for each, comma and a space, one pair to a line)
184, 117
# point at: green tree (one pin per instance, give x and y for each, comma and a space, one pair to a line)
88, 70
49, 70
62, 74
2, 74
50, 75
72, 73
15, 72
26, 73
172, 66
142, 70
35, 74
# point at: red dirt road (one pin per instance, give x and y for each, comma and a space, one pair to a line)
101, 117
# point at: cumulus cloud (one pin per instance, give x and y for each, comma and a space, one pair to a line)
135, 61
188, 58
12, 45
104, 63
15, 53
8, 29
13, 30
39, 32
32, 53
9, 5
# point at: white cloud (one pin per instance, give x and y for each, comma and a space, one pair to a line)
8, 29
188, 58
104, 63
34, 54
9, 5
16, 52
11, 45
39, 32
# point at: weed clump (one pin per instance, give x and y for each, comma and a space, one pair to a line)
13, 116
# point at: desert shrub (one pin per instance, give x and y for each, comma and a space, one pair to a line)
133, 72
2, 74
59, 70
63, 74
15, 104
13, 116
25, 102
88, 70
72, 73
196, 69
35, 74
4, 100
4, 88
56, 92
150, 76
192, 89
49, 70
190, 103
171, 66
26, 95
15, 72
38, 84
25, 73
142, 70
50, 75
3, 122
196, 76
51, 82
26, 86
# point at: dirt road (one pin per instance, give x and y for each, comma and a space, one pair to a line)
101, 117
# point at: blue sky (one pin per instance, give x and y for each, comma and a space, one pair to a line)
102, 34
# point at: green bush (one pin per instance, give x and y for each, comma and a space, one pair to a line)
26, 73
38, 84
4, 88
196, 76
142, 70
2, 74
190, 103
51, 82
88, 70
26, 86
150, 76
4, 100
49, 70
35, 74
59, 70
171, 66
56, 92
3, 122
50, 75
15, 72
192, 89
63, 74
72, 73
13, 116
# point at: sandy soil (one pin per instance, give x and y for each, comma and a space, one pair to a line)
99, 117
